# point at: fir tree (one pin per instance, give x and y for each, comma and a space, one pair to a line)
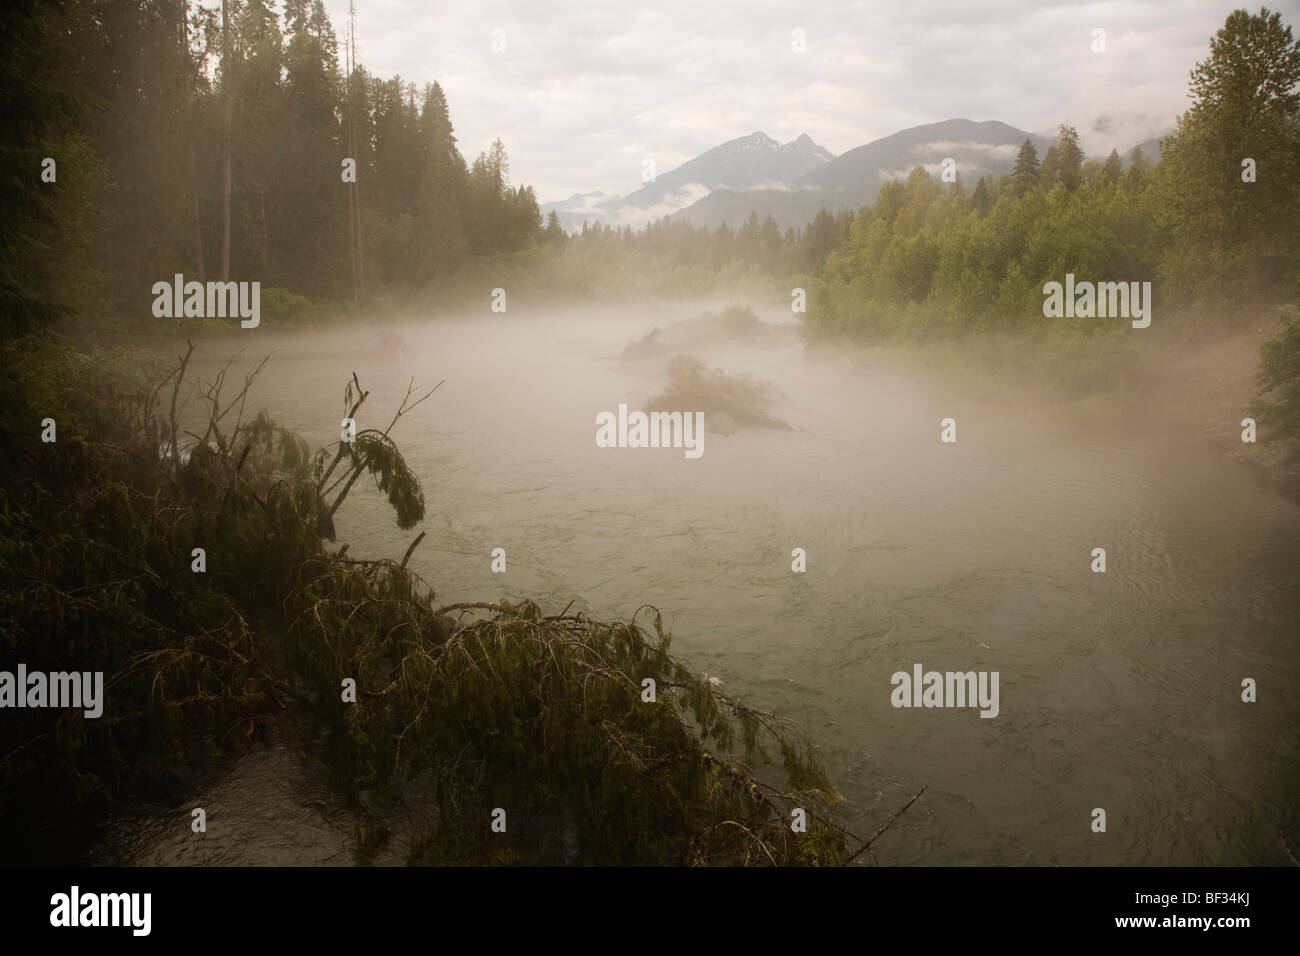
1026, 171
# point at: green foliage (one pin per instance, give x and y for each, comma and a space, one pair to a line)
1066, 160
1113, 168
918, 263
544, 716
281, 308
44, 269
1232, 237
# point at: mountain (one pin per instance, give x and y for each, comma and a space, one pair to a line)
1150, 149
854, 178
744, 163
575, 208
792, 181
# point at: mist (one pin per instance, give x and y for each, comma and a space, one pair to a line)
974, 555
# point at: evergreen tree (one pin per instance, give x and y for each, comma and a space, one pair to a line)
257, 117
1050, 172
1069, 158
442, 187
769, 244
1139, 170
44, 230
819, 237
746, 245
554, 231
1113, 168
524, 219
1026, 171
313, 134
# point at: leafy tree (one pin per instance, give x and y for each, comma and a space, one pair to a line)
1232, 234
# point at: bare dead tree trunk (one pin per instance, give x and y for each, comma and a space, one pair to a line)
352, 186
189, 112
354, 194
361, 271
198, 228
225, 152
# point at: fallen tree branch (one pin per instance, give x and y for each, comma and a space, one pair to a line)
897, 813
414, 544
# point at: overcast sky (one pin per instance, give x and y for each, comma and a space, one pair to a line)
583, 91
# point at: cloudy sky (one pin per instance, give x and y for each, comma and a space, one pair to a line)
583, 91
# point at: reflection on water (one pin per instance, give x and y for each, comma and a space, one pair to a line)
1118, 690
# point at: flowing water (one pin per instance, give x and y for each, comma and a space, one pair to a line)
1119, 690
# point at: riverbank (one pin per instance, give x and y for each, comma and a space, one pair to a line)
1205, 383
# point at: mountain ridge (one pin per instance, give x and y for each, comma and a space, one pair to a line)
744, 162
792, 181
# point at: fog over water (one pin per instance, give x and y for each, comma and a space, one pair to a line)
1118, 690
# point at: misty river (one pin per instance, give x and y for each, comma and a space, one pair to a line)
1119, 690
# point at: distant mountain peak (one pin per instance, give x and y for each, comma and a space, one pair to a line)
805, 145
746, 162
853, 179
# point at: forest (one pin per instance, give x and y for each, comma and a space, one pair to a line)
134, 100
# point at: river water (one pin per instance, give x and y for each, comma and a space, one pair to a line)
1119, 691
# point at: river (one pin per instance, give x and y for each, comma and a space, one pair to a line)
1118, 690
